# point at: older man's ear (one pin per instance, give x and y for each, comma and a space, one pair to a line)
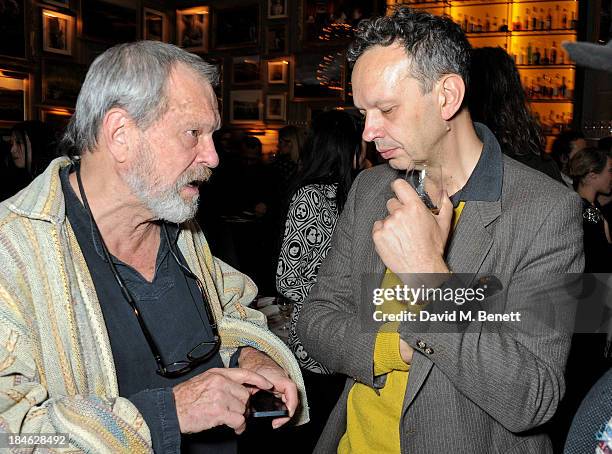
114, 134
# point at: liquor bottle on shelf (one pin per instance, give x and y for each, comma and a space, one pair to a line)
545, 60
563, 89
553, 54
522, 57
529, 55
564, 20
561, 58
536, 56
569, 92
549, 20
557, 23
504, 26
495, 28
487, 25
516, 26
526, 23
536, 89
555, 86
472, 24
574, 22
479, 26
534, 19
541, 19
465, 23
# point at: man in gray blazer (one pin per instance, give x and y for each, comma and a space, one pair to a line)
479, 387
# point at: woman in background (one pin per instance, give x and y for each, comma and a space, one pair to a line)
32, 149
591, 169
328, 164
496, 98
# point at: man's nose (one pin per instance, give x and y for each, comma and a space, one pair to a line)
207, 153
372, 128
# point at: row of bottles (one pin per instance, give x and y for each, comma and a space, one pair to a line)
534, 55
539, 20
554, 123
547, 87
533, 20
469, 24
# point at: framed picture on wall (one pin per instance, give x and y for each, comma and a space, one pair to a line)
278, 71
276, 39
154, 25
246, 70
61, 82
236, 27
277, 9
246, 106
13, 97
58, 32
192, 26
318, 76
110, 22
276, 107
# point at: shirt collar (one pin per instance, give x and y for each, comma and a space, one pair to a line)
485, 182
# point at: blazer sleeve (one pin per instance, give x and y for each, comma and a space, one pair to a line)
515, 372
329, 325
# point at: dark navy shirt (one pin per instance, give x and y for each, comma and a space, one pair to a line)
172, 308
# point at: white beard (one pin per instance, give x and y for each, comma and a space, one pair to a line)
164, 201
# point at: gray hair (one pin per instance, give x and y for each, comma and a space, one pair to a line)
132, 76
435, 44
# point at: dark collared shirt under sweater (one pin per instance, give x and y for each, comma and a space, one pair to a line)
172, 307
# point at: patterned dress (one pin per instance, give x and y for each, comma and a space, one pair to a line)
310, 223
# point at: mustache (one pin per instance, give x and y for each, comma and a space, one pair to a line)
199, 174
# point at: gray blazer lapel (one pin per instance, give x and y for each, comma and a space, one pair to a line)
469, 246
471, 240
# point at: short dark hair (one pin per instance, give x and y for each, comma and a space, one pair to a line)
435, 44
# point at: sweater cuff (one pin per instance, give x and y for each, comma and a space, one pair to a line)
158, 409
387, 355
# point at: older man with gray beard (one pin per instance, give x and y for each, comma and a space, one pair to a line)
119, 332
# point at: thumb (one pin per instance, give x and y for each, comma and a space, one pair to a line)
444, 217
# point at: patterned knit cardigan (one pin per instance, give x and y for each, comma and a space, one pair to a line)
57, 373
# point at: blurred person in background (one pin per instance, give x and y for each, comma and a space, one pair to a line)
564, 147
285, 162
591, 169
496, 98
330, 157
32, 149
